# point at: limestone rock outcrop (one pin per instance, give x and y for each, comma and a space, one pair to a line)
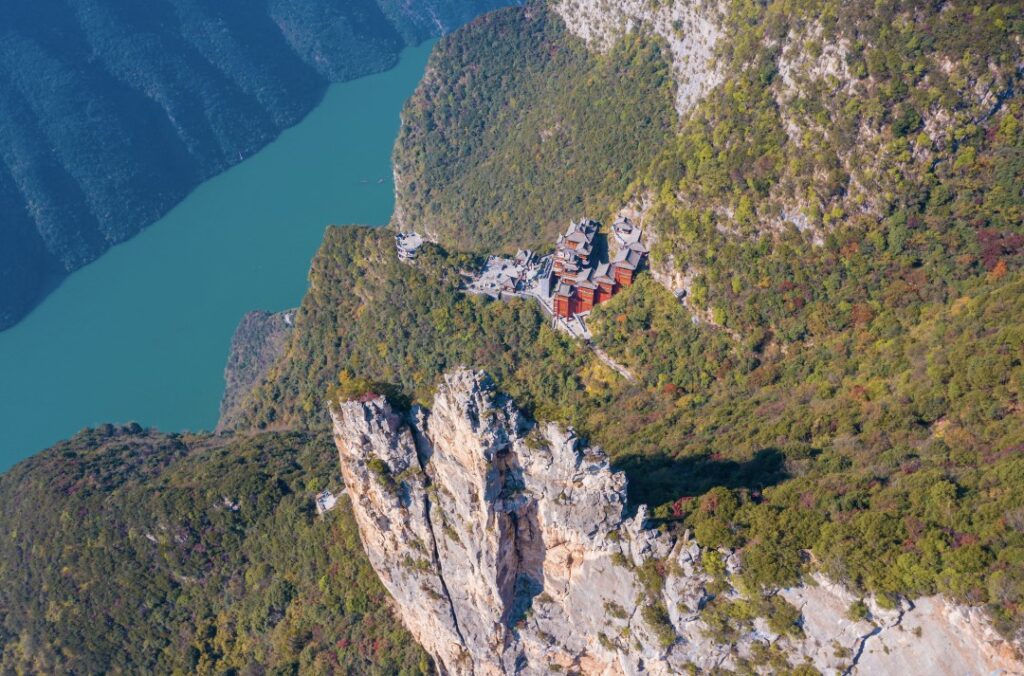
691, 29
509, 548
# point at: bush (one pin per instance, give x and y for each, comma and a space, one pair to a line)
657, 618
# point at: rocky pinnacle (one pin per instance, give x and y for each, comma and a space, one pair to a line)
509, 548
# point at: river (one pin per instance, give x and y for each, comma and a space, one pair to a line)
142, 334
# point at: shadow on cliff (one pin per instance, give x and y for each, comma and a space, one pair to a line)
655, 480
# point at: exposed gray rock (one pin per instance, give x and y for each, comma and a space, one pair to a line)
509, 548
691, 29
927, 636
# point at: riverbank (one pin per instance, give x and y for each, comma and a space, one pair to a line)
143, 333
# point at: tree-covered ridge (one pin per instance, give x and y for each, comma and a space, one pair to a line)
517, 128
860, 413
832, 448
368, 315
892, 452
129, 551
847, 206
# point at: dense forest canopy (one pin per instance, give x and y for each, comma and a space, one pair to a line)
517, 127
130, 551
849, 398
860, 162
891, 451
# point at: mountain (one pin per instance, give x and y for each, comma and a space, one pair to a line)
259, 341
810, 456
828, 339
110, 114
131, 551
517, 127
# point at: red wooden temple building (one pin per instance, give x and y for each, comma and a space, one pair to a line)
582, 280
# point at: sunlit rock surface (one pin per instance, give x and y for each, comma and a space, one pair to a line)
509, 548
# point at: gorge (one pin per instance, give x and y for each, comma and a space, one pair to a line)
154, 350
815, 468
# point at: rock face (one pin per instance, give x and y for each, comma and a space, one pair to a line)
927, 636
690, 29
509, 548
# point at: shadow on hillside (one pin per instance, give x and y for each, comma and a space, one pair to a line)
655, 480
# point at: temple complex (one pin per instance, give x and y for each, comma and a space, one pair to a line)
568, 283
583, 274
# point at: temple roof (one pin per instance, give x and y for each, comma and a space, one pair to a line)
602, 274
628, 259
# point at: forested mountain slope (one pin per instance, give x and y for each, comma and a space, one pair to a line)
840, 387
821, 460
856, 159
111, 111
517, 127
369, 316
891, 451
130, 551
825, 116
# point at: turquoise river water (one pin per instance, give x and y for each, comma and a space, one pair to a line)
143, 333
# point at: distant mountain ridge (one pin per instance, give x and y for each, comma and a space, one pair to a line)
111, 112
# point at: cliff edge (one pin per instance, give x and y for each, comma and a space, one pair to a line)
509, 548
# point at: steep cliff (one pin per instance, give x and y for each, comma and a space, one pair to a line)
111, 113
259, 341
841, 216
509, 548
691, 29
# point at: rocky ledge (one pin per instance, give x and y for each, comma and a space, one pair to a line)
509, 548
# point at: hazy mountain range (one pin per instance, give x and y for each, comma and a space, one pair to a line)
111, 111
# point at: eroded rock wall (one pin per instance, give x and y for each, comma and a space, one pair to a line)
691, 29
509, 549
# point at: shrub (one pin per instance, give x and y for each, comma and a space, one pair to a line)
657, 618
